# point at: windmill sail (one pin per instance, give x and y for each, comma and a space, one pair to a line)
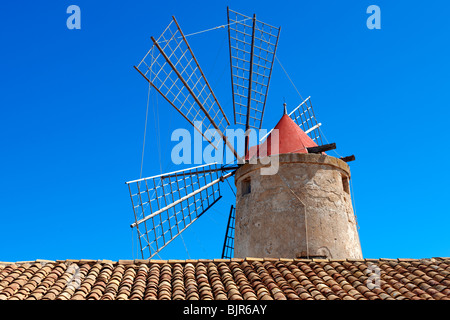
253, 46
172, 69
304, 117
165, 205
228, 244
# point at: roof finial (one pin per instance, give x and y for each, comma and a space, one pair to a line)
285, 109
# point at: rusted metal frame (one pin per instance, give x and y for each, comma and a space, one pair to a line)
200, 193
230, 242
151, 210
162, 75
179, 197
199, 103
242, 41
168, 26
257, 102
167, 77
187, 226
240, 68
259, 95
262, 49
247, 121
188, 204
165, 205
260, 83
244, 91
242, 96
172, 104
213, 192
225, 244
238, 22
261, 58
192, 73
136, 219
178, 59
239, 77
160, 219
200, 69
189, 89
240, 104
262, 39
195, 207
187, 65
237, 13
206, 100
169, 173
172, 37
174, 208
268, 25
143, 59
241, 50
231, 63
270, 33
268, 80
241, 32
206, 182
163, 78
263, 67
142, 208
175, 97
173, 50
148, 68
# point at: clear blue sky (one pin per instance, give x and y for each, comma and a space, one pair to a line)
72, 111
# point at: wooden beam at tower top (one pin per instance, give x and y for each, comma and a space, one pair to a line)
322, 148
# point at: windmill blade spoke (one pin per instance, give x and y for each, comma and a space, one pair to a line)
253, 45
166, 205
171, 68
304, 116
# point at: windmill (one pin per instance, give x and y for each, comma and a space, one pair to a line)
167, 204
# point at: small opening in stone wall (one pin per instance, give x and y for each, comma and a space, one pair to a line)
246, 186
345, 184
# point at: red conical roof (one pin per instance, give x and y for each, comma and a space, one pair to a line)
292, 139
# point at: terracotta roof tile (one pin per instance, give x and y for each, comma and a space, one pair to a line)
222, 279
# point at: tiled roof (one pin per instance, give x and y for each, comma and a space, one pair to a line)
222, 279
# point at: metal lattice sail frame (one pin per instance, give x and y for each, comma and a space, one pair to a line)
228, 244
172, 69
304, 117
165, 205
253, 45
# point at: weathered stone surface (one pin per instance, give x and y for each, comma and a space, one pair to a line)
303, 209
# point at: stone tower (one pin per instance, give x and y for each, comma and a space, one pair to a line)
303, 210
